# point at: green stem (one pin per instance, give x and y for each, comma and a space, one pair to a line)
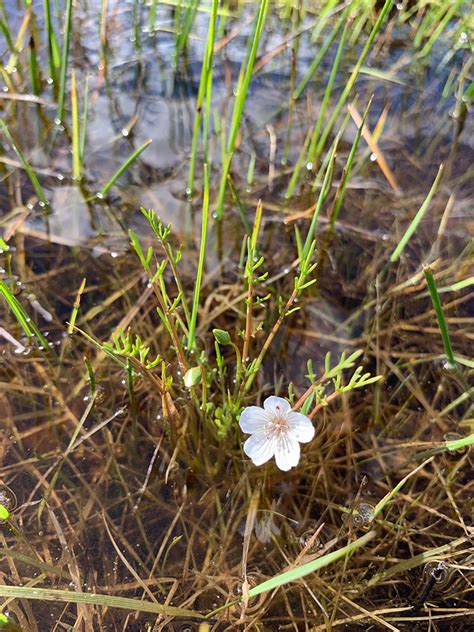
202, 254
443, 327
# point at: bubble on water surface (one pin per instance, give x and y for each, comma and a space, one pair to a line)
362, 515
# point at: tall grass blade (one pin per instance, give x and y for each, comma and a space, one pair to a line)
53, 47
94, 599
241, 95
85, 116
182, 39
34, 68
417, 219
64, 60
320, 119
27, 324
133, 156
76, 148
319, 57
152, 16
200, 268
323, 193
443, 327
24, 162
13, 61
352, 79
6, 29
348, 168
75, 309
204, 85
310, 567
388, 497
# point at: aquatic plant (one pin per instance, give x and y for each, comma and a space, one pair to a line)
306, 249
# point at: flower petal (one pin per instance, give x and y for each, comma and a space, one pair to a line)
260, 447
253, 419
276, 405
287, 452
301, 427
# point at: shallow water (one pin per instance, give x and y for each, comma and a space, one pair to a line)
140, 90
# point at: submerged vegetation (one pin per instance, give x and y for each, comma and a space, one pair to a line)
209, 207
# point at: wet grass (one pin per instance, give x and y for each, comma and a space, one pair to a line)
129, 347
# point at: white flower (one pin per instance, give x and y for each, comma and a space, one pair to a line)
276, 431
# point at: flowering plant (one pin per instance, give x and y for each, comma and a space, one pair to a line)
275, 431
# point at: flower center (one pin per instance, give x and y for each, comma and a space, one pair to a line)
279, 424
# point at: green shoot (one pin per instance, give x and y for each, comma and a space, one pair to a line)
319, 121
200, 268
310, 567
133, 156
443, 327
204, 86
53, 48
27, 324
417, 219
351, 81
76, 148
64, 60
241, 95
25, 163
348, 168
107, 601
75, 309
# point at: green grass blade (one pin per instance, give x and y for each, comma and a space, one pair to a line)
182, 39
319, 57
459, 444
310, 567
200, 268
348, 168
204, 84
133, 156
388, 497
443, 327
76, 149
64, 60
417, 219
34, 68
93, 599
241, 95
323, 193
152, 16
24, 162
27, 324
75, 309
320, 119
6, 29
53, 48
85, 116
352, 79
